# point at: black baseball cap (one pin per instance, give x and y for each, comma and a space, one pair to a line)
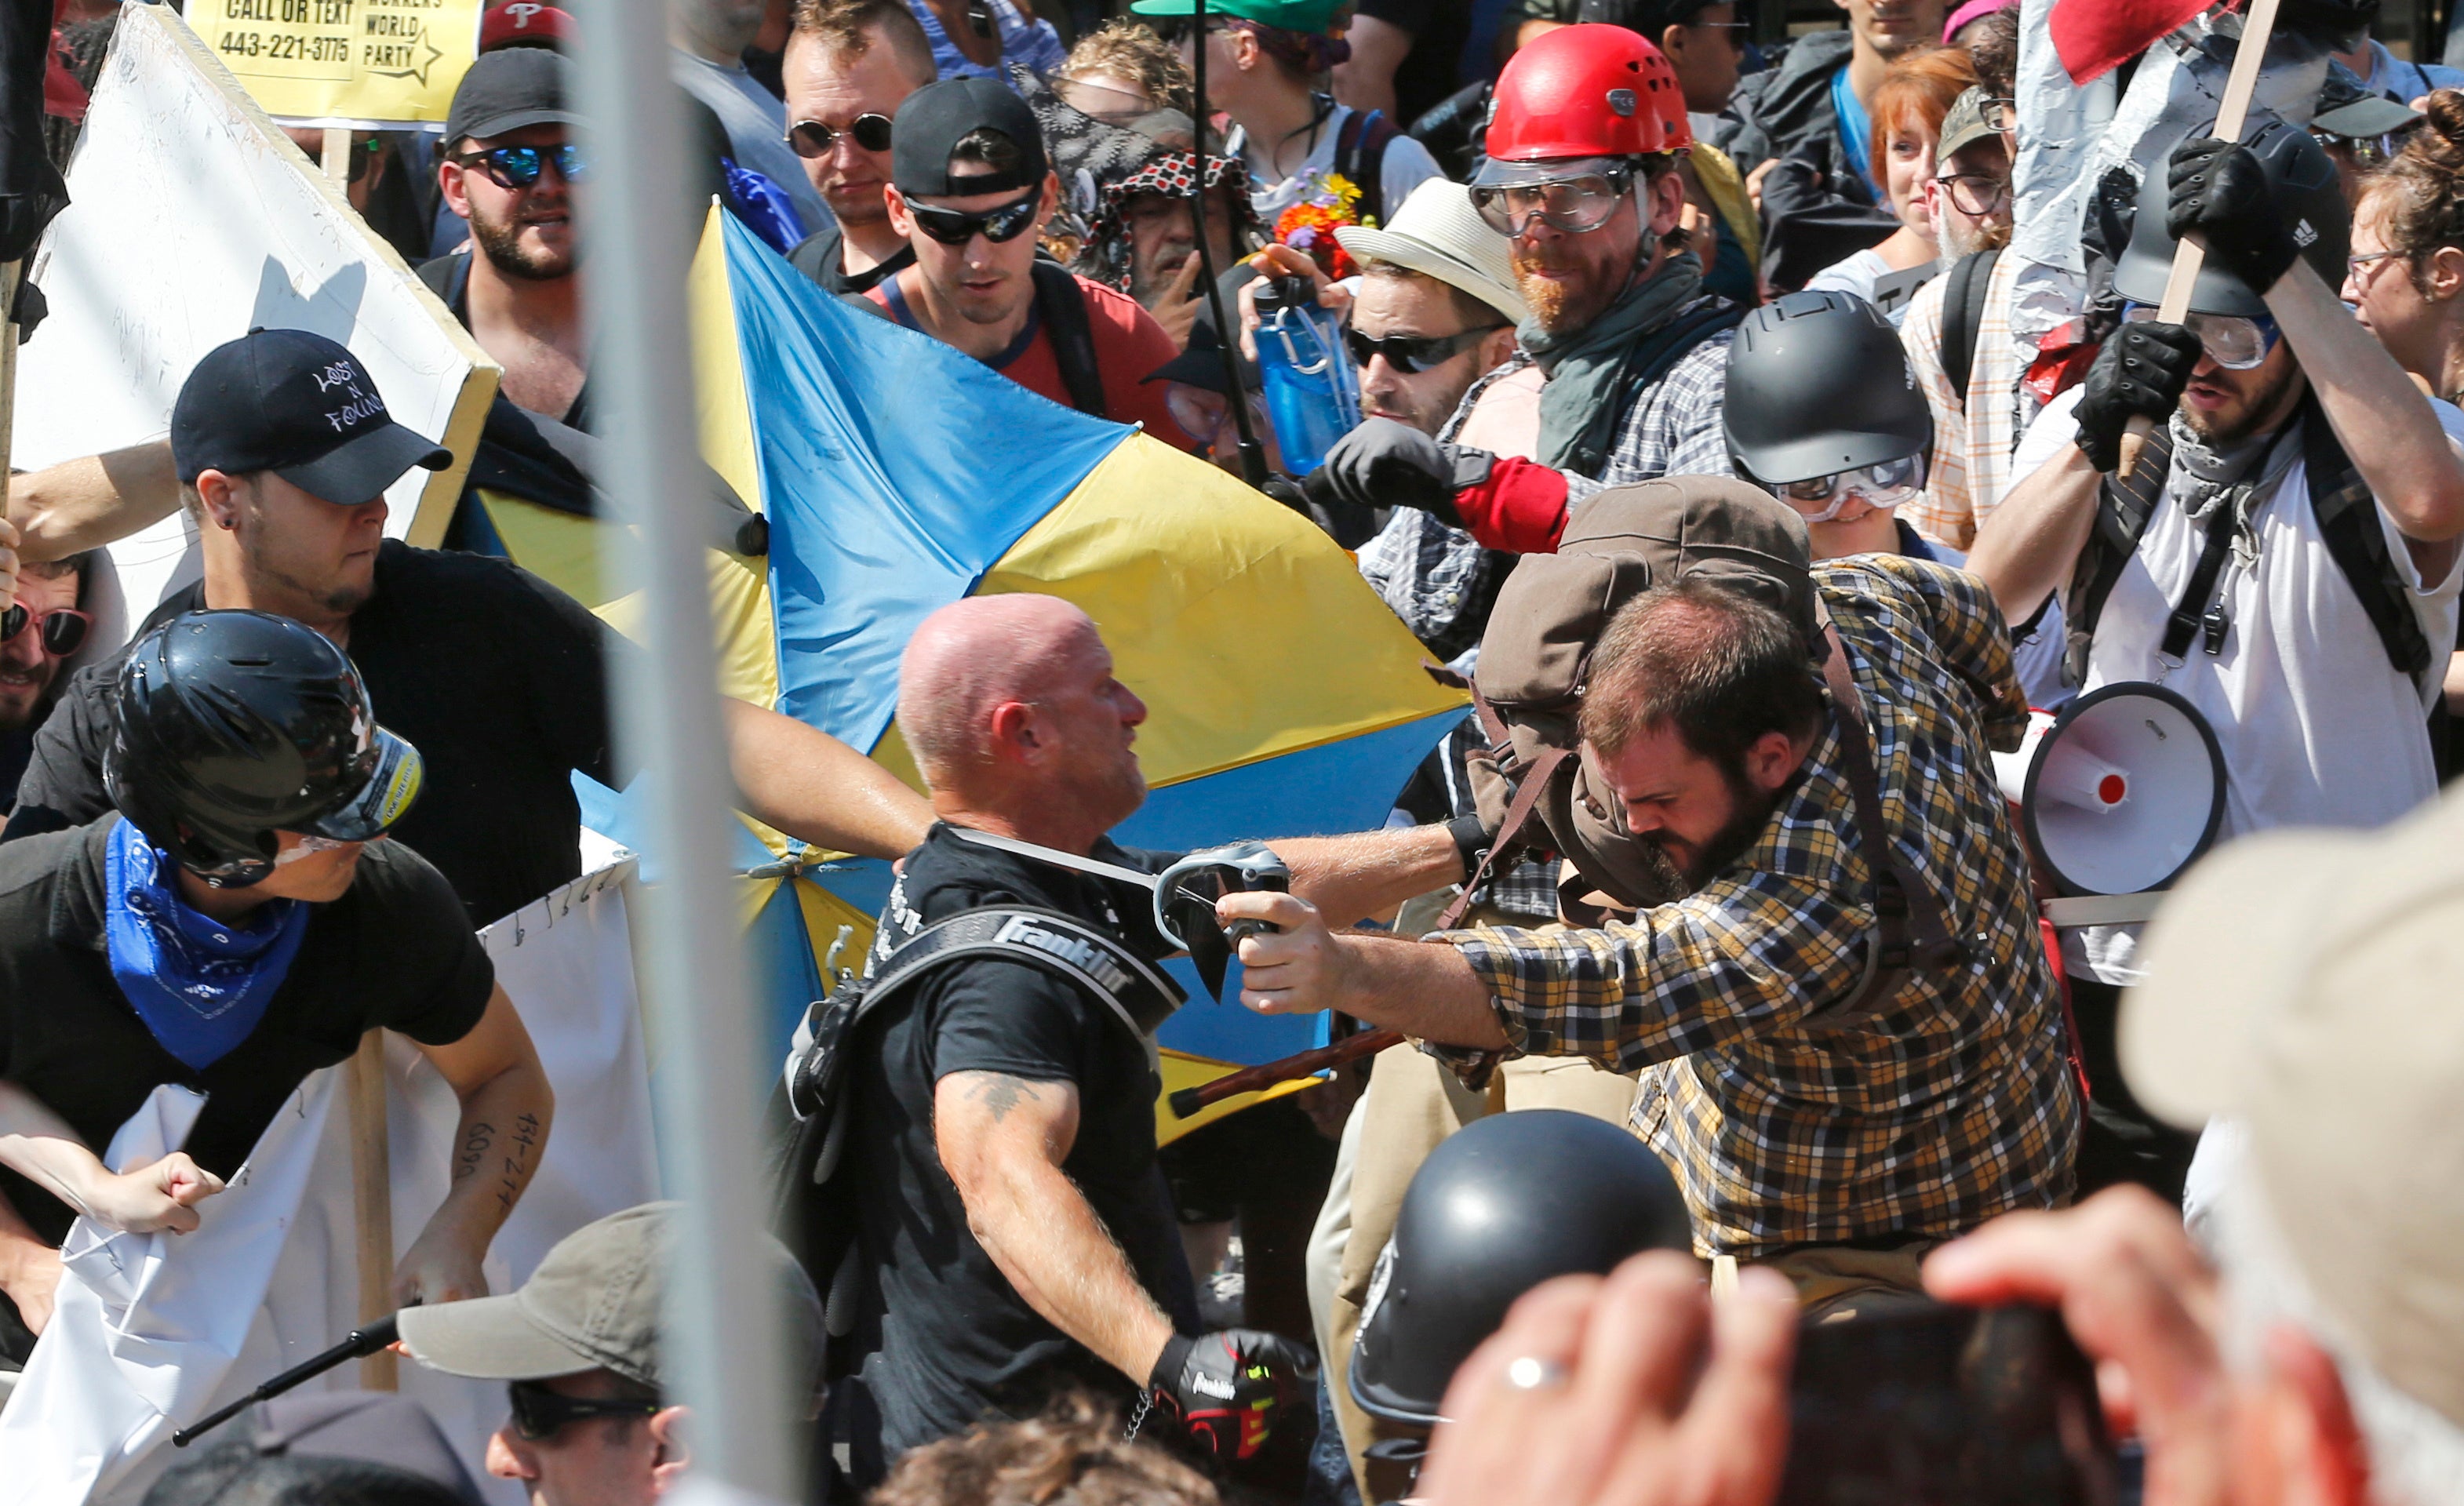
933, 119
298, 404
508, 89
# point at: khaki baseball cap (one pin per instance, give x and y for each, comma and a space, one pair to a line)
1964, 125
1439, 235
2304, 982
594, 1302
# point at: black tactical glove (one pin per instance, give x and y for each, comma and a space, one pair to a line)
1227, 1388
2140, 373
1386, 463
2217, 189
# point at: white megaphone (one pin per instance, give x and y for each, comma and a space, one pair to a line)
2118, 793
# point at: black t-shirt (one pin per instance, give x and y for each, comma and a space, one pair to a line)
497, 678
818, 257
944, 1337
394, 950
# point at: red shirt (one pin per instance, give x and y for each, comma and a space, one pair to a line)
1129, 343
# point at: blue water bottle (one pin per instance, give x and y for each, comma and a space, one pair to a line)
1312, 395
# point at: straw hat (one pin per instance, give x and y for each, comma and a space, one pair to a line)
1436, 232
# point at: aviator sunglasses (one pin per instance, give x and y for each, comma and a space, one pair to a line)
956, 227
814, 139
520, 166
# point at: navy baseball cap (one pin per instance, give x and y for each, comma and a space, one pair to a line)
302, 406
508, 89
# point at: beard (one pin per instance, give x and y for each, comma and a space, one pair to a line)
1561, 303
500, 241
1750, 810
2220, 430
1960, 239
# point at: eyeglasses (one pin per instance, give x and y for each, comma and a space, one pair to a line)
2000, 115
1883, 486
1975, 192
63, 630
2233, 341
540, 1413
2366, 151
519, 166
815, 139
1573, 206
1413, 353
2357, 265
956, 227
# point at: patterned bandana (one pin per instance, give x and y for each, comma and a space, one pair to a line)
1108, 237
198, 983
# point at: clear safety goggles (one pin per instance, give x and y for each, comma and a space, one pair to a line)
1572, 203
2231, 341
1882, 486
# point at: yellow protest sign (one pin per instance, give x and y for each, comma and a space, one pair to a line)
344, 62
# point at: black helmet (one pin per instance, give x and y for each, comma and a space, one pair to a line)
1819, 383
2304, 180
1500, 1207
228, 727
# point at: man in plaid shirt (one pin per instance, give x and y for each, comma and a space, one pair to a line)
1839, 1142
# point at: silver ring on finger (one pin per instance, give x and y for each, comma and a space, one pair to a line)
1531, 1373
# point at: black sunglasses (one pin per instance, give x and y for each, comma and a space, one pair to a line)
520, 166
1413, 353
813, 138
956, 227
539, 1413
63, 630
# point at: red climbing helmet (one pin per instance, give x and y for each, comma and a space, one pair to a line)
1586, 91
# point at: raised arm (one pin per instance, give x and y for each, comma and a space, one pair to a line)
86, 503
507, 1106
814, 787
1364, 876
1002, 1139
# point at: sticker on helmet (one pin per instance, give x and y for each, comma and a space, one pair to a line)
402, 789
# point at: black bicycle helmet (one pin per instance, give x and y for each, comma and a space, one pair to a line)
1819, 383
1502, 1205
2307, 191
229, 726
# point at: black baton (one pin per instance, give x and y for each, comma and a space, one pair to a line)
362, 1341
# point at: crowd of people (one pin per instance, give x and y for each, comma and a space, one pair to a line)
1718, 430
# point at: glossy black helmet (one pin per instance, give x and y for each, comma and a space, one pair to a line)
1502, 1205
2300, 177
229, 726
1819, 383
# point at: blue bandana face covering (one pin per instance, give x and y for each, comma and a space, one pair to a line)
199, 984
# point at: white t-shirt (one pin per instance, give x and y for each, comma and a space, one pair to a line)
2316, 727
1853, 273
1407, 164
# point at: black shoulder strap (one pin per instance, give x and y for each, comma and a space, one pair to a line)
2122, 509
1913, 932
2349, 521
1963, 315
1062, 305
1360, 155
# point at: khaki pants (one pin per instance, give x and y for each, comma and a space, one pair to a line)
1837, 1282
1412, 1104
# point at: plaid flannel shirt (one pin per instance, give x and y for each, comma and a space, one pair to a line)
1944, 1104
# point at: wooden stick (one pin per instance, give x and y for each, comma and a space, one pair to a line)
336, 158
372, 1193
1723, 1276
2191, 254
1188, 1102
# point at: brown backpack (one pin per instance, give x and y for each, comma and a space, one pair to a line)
1535, 659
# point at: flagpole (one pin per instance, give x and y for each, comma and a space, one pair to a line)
1253, 456
2191, 254
723, 1351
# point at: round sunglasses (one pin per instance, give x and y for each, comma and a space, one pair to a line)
815, 139
519, 168
63, 631
1413, 353
956, 227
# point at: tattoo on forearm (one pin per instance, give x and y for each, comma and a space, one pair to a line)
999, 1095
474, 1150
517, 1167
